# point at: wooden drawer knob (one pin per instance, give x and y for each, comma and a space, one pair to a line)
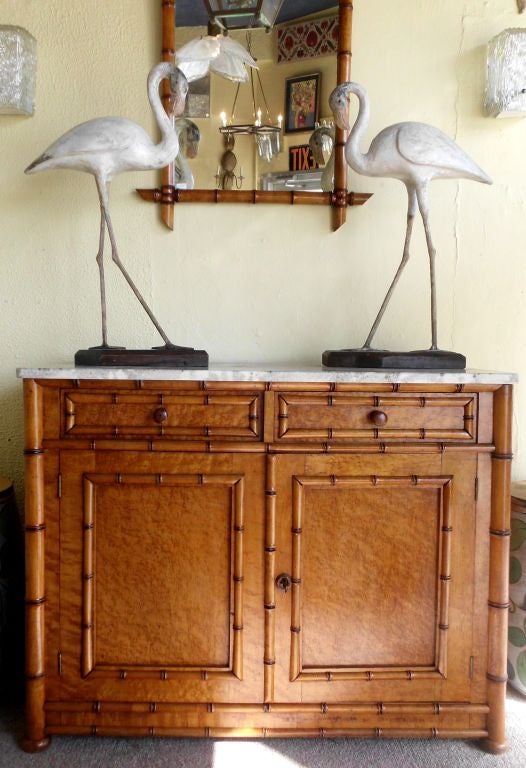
378, 418
160, 415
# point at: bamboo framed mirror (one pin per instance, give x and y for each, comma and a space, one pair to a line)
336, 71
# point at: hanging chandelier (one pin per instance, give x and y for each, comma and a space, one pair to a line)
266, 132
243, 14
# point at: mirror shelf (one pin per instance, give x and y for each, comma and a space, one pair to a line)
168, 194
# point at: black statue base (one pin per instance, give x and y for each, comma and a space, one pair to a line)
427, 359
157, 357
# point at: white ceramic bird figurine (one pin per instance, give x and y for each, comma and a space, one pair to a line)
414, 153
108, 146
189, 138
321, 145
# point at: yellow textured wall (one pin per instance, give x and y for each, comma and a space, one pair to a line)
267, 283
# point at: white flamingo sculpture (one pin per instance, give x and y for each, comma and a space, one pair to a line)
321, 144
414, 153
189, 138
107, 146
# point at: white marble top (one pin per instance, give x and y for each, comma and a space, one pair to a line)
272, 373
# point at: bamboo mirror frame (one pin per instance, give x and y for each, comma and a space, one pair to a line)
168, 195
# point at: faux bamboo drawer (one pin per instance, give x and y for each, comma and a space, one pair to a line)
364, 416
161, 414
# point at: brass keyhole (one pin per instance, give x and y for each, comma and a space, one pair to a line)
284, 582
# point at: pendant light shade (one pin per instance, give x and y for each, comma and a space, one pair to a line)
243, 14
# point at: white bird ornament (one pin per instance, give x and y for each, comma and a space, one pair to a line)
322, 146
414, 153
189, 138
107, 146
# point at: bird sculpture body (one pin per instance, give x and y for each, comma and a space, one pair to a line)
107, 146
414, 153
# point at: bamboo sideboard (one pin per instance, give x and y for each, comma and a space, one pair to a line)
266, 553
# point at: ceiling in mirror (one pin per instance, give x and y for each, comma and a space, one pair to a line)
192, 13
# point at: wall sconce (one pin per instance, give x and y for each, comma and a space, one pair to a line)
18, 61
506, 75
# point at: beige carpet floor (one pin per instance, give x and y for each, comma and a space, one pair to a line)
80, 752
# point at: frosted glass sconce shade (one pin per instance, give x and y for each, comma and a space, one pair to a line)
18, 59
506, 74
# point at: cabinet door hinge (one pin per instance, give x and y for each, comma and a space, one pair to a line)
59, 664
471, 667
476, 489
59, 486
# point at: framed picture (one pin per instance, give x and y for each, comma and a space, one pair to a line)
302, 95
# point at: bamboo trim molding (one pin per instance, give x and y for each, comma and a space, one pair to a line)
169, 195
36, 739
270, 576
499, 574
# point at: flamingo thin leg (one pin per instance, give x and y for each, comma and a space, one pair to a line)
424, 212
103, 194
411, 211
100, 262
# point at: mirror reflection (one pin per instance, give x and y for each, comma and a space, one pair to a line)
275, 131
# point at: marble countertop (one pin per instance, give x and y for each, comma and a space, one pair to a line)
274, 373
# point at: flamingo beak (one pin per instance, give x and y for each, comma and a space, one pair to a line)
179, 88
341, 118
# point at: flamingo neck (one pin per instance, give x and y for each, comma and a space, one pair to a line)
355, 158
327, 177
169, 145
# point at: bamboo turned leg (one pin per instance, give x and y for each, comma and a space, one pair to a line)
36, 739
499, 560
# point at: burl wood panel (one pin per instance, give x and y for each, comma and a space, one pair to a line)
154, 549
380, 552
362, 581
147, 607
336, 417
161, 414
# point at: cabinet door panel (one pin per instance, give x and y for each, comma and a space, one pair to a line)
379, 551
159, 559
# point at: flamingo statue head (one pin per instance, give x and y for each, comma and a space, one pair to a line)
179, 87
339, 104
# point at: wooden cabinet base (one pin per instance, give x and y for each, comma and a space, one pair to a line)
256, 559
494, 747
35, 746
